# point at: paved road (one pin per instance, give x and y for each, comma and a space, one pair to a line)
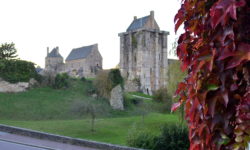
5, 145
16, 142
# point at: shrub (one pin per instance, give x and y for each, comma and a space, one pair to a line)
17, 71
161, 95
141, 139
83, 79
106, 80
172, 137
103, 84
61, 81
130, 100
115, 77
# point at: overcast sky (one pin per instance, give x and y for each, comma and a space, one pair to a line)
34, 25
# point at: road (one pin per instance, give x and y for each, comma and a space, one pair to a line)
16, 142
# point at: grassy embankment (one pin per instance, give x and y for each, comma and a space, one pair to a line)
49, 110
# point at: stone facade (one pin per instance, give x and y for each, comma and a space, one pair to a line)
81, 62
144, 54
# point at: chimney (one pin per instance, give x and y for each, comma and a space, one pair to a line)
152, 14
135, 17
47, 51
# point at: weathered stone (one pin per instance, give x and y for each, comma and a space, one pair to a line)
81, 62
94, 95
6, 87
116, 100
144, 54
131, 86
33, 83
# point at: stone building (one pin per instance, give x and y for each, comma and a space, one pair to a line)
144, 54
54, 60
81, 62
84, 61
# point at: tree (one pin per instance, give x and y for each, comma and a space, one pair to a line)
215, 50
8, 51
91, 107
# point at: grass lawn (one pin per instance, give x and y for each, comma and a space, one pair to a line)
140, 94
110, 130
42, 103
50, 110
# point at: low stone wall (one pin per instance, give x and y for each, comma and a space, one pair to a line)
63, 139
6, 87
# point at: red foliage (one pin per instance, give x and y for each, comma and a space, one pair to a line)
215, 50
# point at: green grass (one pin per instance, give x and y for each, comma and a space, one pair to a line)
110, 130
50, 110
42, 103
140, 94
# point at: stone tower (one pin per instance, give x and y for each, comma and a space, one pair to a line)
144, 54
53, 60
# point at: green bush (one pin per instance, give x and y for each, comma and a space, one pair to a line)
115, 77
172, 137
61, 81
130, 101
161, 95
106, 80
15, 71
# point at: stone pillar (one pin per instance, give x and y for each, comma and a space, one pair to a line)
165, 59
157, 62
130, 58
122, 67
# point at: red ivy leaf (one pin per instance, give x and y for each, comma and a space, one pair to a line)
175, 106
243, 54
224, 9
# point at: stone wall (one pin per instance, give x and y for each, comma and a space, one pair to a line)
6, 87
143, 55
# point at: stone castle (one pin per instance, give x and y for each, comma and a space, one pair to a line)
81, 62
144, 54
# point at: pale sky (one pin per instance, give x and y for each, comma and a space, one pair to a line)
34, 25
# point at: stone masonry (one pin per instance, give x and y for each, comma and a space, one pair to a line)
144, 54
81, 62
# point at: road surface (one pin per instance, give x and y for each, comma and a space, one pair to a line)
16, 142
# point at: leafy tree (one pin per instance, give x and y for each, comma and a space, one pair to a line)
106, 80
103, 84
215, 50
8, 51
115, 77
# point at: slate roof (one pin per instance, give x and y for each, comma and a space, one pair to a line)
53, 53
80, 53
138, 23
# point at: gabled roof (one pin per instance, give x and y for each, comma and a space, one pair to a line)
138, 23
54, 53
80, 53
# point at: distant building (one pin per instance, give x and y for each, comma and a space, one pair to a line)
81, 62
144, 54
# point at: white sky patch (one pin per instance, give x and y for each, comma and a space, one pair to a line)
34, 25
